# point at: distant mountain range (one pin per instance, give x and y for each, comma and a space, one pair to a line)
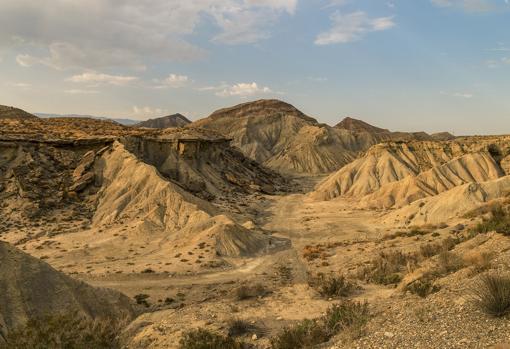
175, 120
126, 122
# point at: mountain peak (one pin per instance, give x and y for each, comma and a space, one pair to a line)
356, 125
174, 120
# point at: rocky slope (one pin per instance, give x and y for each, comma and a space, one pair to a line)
281, 137
31, 288
385, 163
174, 120
469, 168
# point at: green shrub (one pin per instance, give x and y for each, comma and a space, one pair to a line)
305, 334
204, 339
346, 315
492, 294
65, 331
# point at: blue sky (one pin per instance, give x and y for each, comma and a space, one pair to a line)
428, 65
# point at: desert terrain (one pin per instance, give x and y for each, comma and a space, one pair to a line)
256, 227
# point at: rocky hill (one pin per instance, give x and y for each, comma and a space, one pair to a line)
31, 288
356, 125
281, 137
174, 120
14, 113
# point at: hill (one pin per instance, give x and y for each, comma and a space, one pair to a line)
31, 288
14, 113
175, 120
122, 121
278, 135
356, 125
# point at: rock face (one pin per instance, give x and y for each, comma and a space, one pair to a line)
281, 137
31, 288
174, 120
14, 113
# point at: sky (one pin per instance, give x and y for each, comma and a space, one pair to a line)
409, 65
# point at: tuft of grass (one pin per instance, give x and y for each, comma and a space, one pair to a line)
491, 293
205, 339
480, 261
341, 317
238, 327
333, 286
245, 292
65, 331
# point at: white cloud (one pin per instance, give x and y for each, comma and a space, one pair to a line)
172, 80
243, 90
464, 95
98, 34
148, 111
100, 78
352, 27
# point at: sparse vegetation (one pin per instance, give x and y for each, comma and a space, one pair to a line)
448, 262
246, 291
333, 286
239, 327
498, 221
423, 286
205, 339
341, 317
142, 299
388, 267
65, 331
491, 294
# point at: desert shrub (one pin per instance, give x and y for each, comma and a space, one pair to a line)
65, 331
448, 262
388, 267
430, 250
284, 273
346, 315
246, 292
481, 261
333, 286
204, 339
491, 294
423, 286
239, 327
313, 252
142, 299
341, 317
498, 221
305, 334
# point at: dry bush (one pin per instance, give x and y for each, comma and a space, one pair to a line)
205, 339
333, 286
65, 331
491, 293
480, 261
247, 291
448, 262
238, 327
346, 316
498, 221
423, 286
430, 249
313, 252
389, 267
